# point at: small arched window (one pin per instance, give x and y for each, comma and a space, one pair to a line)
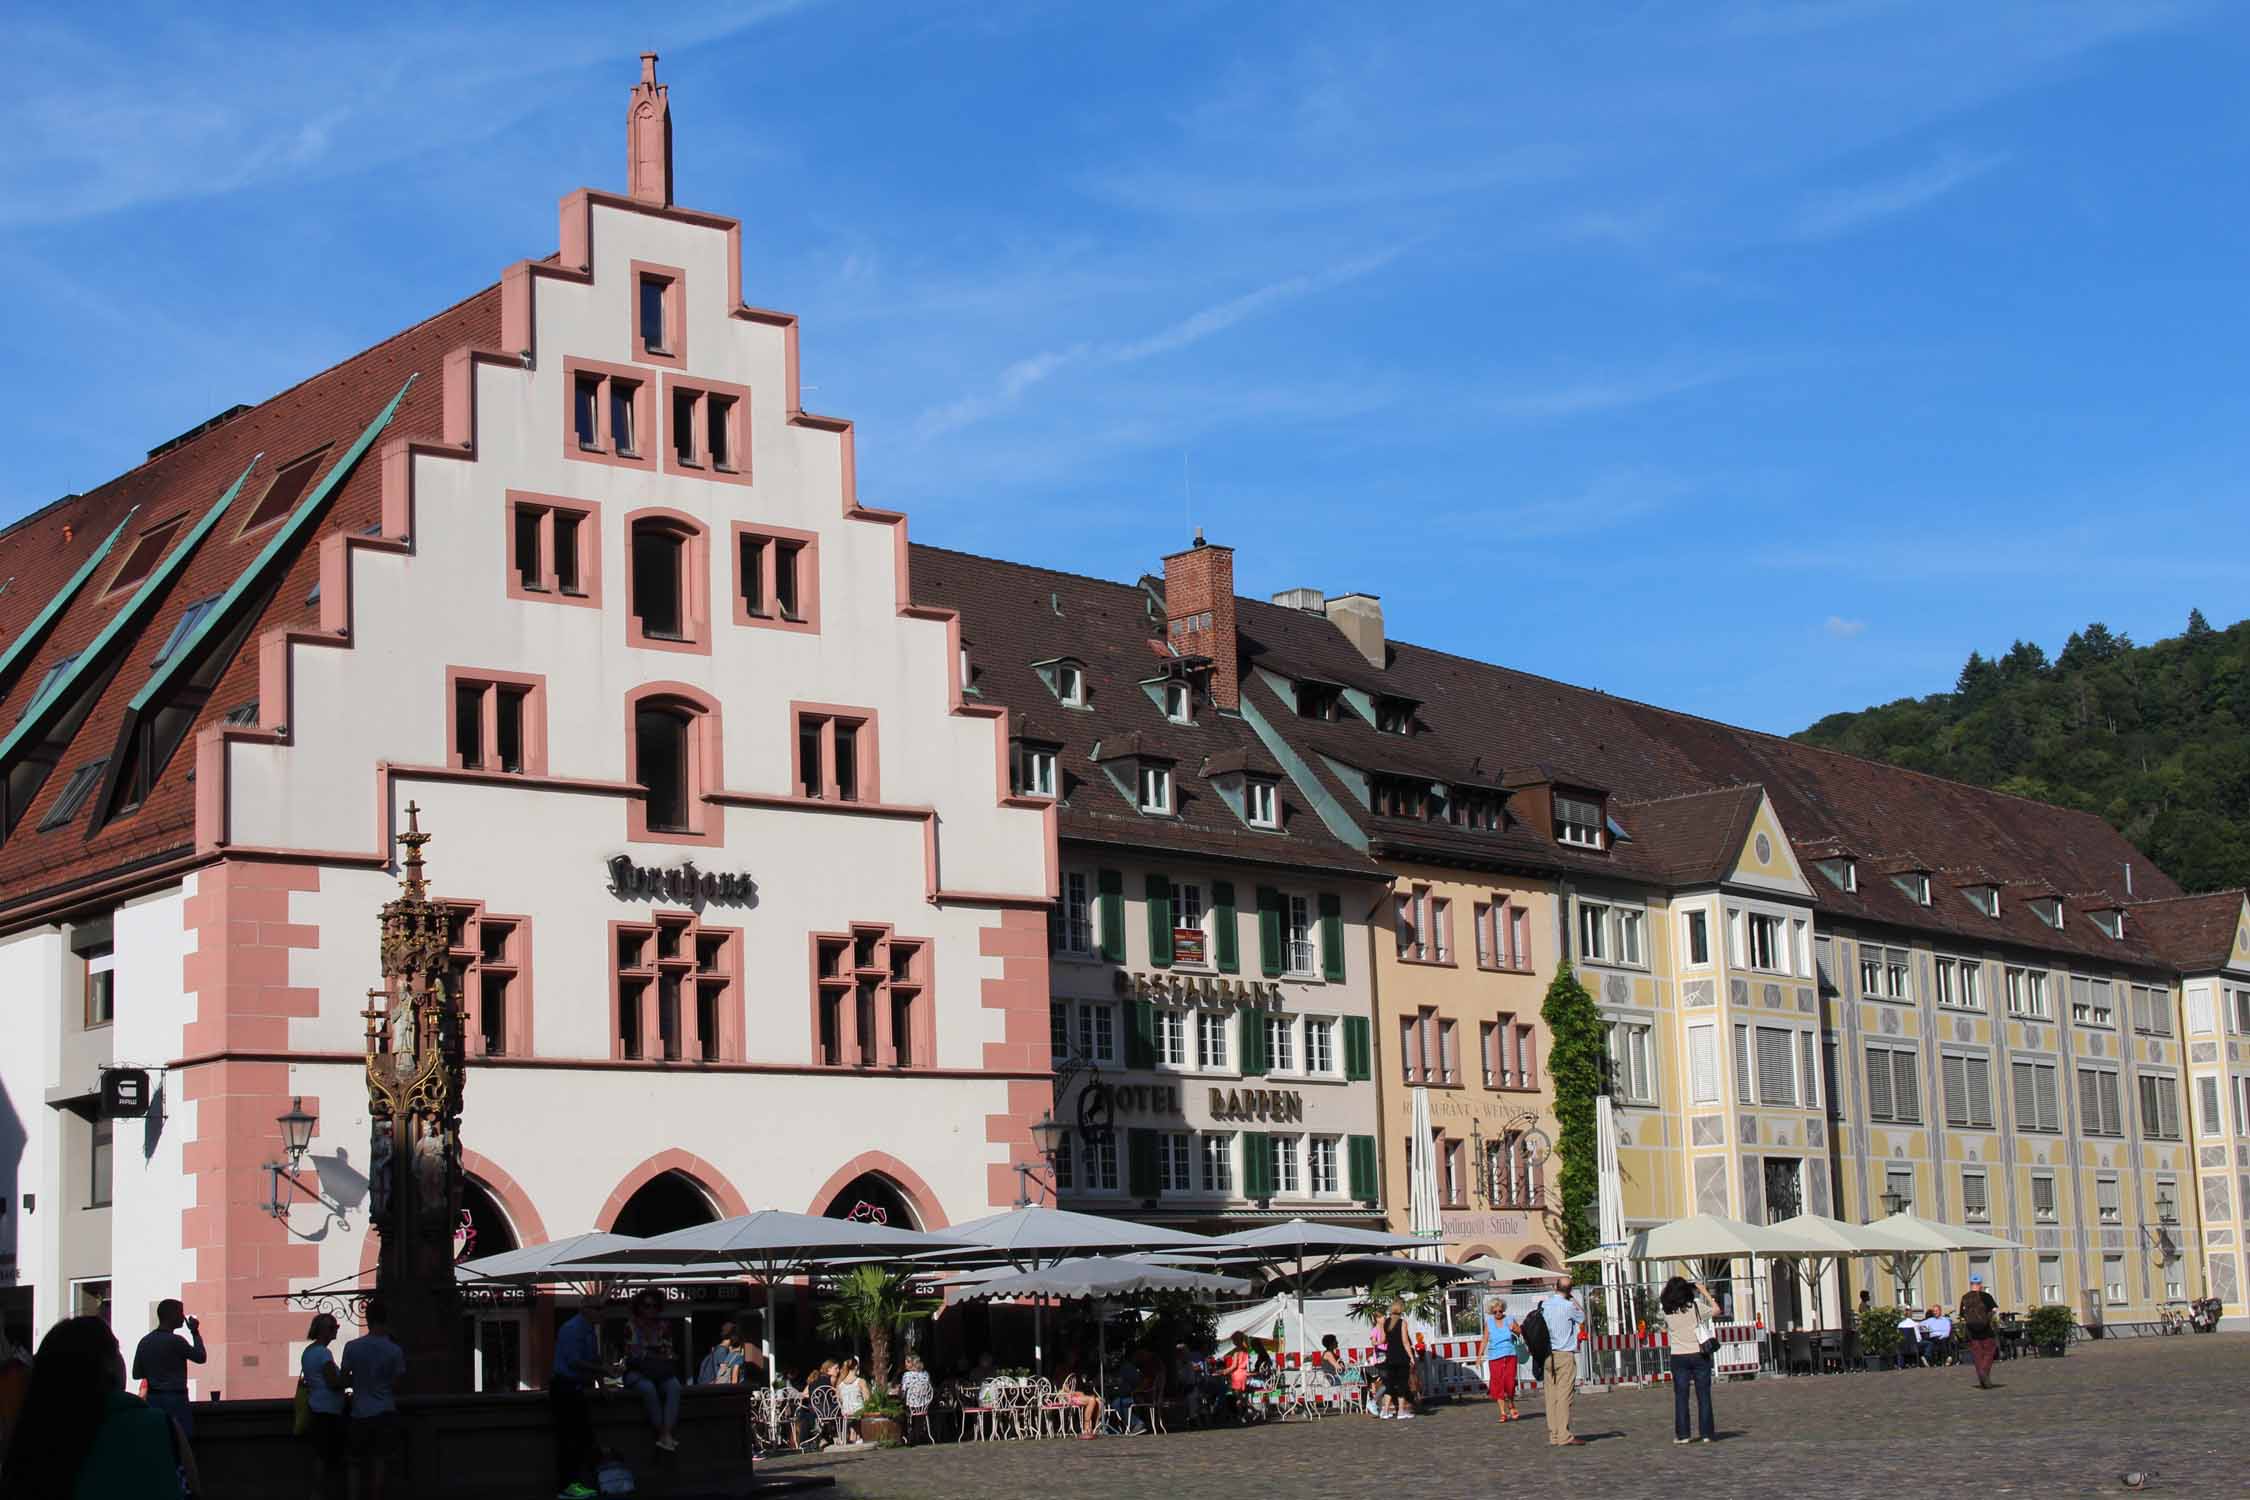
674, 757
669, 603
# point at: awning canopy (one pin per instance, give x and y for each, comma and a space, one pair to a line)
1704, 1237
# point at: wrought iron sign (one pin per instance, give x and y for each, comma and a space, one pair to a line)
682, 882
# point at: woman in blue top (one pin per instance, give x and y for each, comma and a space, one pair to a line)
1500, 1350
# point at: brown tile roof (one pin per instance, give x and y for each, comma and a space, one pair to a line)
41, 551
1014, 615
1693, 839
2195, 933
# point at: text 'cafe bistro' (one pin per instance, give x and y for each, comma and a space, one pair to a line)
1239, 1101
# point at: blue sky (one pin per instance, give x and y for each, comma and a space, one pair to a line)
1755, 358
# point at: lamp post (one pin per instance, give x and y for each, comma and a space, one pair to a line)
1894, 1201
1046, 1139
296, 1139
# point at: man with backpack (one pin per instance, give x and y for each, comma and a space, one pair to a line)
1561, 1321
1979, 1318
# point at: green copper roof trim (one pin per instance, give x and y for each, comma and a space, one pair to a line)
276, 547
34, 721
36, 631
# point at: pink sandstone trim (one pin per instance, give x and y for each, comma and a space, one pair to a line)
695, 1169
927, 1209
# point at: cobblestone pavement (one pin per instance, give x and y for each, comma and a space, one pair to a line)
2053, 1427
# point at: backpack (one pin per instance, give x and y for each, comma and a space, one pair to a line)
613, 1478
1976, 1315
1533, 1331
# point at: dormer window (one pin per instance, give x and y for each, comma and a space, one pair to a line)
1985, 898
1179, 703
1156, 789
2110, 920
1579, 822
1916, 885
1394, 716
1036, 774
1320, 700
1263, 801
1070, 684
1842, 873
2047, 909
1473, 809
1397, 797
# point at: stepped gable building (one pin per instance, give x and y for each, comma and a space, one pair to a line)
747, 911
1213, 982
1831, 985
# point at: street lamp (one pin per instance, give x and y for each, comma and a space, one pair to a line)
296, 1139
1046, 1138
1894, 1202
296, 1131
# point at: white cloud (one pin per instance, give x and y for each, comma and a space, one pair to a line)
1845, 630
1582, 398
1848, 209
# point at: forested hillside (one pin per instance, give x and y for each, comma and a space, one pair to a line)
2154, 738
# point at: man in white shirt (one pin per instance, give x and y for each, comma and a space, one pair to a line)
162, 1357
1937, 1334
1566, 1325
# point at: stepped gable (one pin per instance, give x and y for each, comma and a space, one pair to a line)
1010, 620
328, 411
2194, 933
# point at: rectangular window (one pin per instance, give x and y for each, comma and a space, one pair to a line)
1281, 1044
1765, 943
1957, 983
776, 578
1743, 1093
1777, 1067
498, 724
2113, 1279
1282, 1162
487, 956
290, 482
1171, 1038
655, 295
101, 983
1883, 972
1218, 1163
1967, 1083
1035, 771
1893, 1086
1448, 1058
2037, 1097
677, 986
550, 550
1453, 1181
2152, 1009
1593, 932
1831, 1077
2098, 1109
1632, 1076
1975, 1206
1629, 937
1698, 939
1097, 1161
2027, 993
1321, 1173
1156, 789
1578, 822
1191, 939
100, 1158
1097, 1032
609, 407
73, 796
1211, 1041
1174, 1162
1302, 958
1264, 801
835, 757
1441, 930
1077, 926
183, 629
2108, 1202
707, 439
1058, 1030
2207, 1102
1703, 1064
2050, 1277
2160, 1106
1179, 703
1320, 1046
2090, 1001
1899, 1181
1808, 1071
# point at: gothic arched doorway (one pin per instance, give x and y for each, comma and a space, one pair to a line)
667, 1201
875, 1197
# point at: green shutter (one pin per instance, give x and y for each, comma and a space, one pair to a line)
1140, 1163
1140, 1035
1159, 921
1362, 1168
1112, 903
1257, 1165
1331, 937
1252, 1033
1359, 1061
1230, 943
1269, 931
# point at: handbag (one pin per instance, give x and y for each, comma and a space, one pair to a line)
300, 1421
1707, 1339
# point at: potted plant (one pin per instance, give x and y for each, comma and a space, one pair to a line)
882, 1420
1878, 1336
2047, 1328
877, 1303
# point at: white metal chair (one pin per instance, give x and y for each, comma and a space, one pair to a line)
828, 1416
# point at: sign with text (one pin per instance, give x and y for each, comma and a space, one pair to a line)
681, 882
1204, 991
1281, 1106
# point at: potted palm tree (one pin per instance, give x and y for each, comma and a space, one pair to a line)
875, 1303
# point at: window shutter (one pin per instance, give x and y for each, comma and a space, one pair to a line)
1112, 887
2023, 1085
2049, 1099
1703, 1065
2089, 1103
1362, 1156
1954, 1071
1742, 1092
1269, 931
1906, 1085
1222, 918
1331, 937
1140, 1035
1140, 1163
1250, 1036
2168, 1109
2207, 1097
1808, 1070
1359, 1061
1257, 1165
1160, 921
1776, 1067
1880, 1105
1978, 1074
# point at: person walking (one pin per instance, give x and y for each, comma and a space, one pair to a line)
1398, 1365
1689, 1312
324, 1406
372, 1366
1566, 1323
95, 1439
576, 1369
1980, 1325
1500, 1357
162, 1357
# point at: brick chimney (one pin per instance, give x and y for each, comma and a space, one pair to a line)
648, 139
1199, 610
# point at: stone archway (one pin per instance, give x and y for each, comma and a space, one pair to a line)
873, 1196
667, 1201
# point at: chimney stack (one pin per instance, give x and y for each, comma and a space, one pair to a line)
1199, 613
648, 139
1360, 618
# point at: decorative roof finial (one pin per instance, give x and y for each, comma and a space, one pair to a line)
414, 838
648, 139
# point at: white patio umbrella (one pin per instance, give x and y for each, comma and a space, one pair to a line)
1701, 1237
772, 1244
1915, 1239
1421, 1177
1099, 1278
1288, 1247
1498, 1268
1840, 1241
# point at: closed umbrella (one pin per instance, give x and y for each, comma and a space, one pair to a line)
1421, 1177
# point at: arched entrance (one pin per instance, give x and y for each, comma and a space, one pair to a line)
667, 1201
875, 1197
